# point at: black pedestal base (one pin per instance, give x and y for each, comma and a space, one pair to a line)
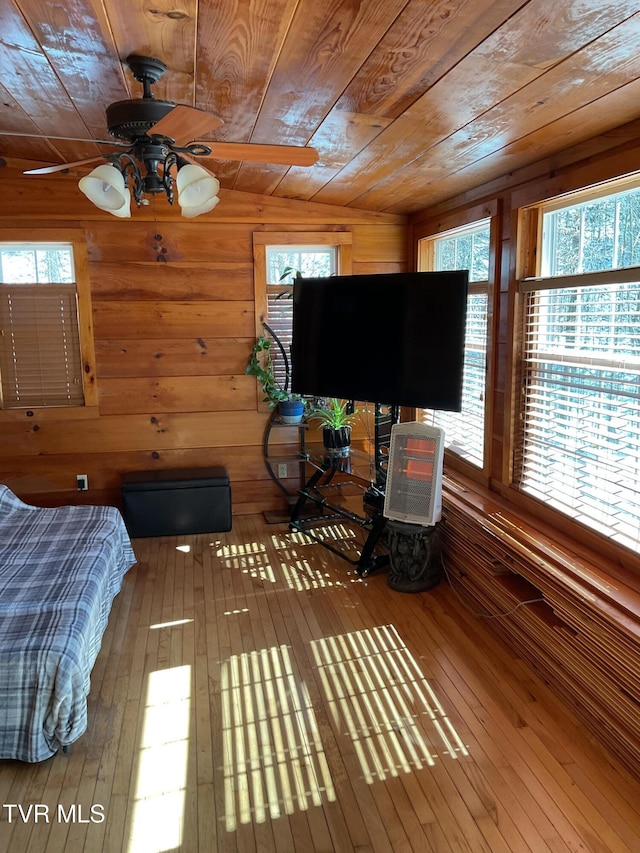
414, 553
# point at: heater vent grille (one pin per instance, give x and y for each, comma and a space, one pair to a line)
414, 482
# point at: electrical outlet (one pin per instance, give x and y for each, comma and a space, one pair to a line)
82, 482
282, 470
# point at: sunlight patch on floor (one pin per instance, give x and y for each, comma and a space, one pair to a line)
173, 624
301, 576
249, 557
291, 566
297, 570
274, 761
337, 535
379, 697
158, 811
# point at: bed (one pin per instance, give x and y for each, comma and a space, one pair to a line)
60, 570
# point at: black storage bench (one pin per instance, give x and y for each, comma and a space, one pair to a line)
182, 501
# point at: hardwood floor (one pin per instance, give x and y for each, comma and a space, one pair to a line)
253, 693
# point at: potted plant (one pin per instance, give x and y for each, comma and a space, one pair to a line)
290, 406
336, 420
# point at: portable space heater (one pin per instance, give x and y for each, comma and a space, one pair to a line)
414, 476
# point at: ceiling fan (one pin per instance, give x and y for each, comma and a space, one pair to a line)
163, 137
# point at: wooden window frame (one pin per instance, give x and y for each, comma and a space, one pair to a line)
342, 240
424, 235
77, 239
529, 279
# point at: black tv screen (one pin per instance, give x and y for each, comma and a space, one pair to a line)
394, 338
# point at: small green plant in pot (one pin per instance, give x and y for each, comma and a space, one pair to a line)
336, 421
290, 406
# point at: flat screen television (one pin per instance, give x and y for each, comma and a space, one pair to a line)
392, 338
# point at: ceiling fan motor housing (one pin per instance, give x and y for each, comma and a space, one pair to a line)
134, 118
131, 119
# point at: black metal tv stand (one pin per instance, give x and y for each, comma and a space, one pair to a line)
344, 489
384, 418
332, 501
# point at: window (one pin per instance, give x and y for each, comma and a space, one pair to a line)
311, 262
465, 248
42, 362
579, 438
314, 254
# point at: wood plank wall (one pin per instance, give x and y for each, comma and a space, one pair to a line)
565, 599
173, 313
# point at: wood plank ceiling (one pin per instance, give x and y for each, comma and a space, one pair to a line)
408, 102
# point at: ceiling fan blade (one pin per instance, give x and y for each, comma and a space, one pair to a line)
283, 155
46, 136
60, 167
196, 161
183, 124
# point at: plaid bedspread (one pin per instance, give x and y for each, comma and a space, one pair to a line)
60, 570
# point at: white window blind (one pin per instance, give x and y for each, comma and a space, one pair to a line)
464, 430
580, 438
578, 444
280, 320
467, 248
40, 361
40, 357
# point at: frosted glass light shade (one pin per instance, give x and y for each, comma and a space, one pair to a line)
190, 212
104, 186
197, 190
